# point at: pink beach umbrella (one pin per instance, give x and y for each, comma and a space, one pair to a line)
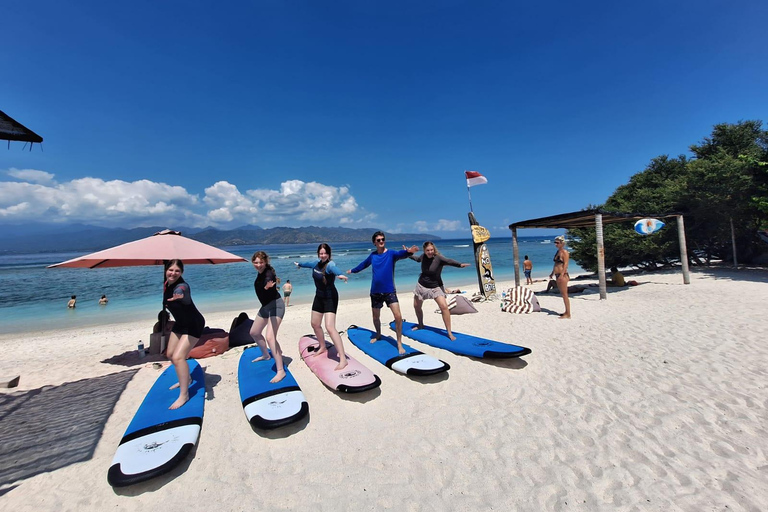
153, 250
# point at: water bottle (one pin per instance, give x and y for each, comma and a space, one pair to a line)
141, 351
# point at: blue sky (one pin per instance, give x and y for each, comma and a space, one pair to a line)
360, 114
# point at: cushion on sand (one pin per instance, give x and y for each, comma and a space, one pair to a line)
520, 300
459, 305
213, 342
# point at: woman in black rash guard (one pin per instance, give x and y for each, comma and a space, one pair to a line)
271, 313
430, 285
187, 328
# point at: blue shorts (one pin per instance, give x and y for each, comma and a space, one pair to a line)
378, 299
527, 273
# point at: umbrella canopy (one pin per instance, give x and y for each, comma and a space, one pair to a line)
154, 250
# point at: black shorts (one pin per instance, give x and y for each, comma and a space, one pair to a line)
191, 326
378, 299
325, 304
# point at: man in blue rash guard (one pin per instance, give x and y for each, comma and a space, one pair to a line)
382, 263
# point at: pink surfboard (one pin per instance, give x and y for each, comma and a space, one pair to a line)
354, 378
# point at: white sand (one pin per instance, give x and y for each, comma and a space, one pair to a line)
652, 400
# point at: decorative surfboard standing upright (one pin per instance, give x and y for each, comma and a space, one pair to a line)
413, 362
158, 438
354, 378
485, 278
480, 235
268, 405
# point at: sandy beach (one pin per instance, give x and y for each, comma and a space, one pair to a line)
654, 399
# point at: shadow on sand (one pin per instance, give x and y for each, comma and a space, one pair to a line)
52, 427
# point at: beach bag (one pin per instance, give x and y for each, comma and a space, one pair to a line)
240, 332
212, 342
520, 300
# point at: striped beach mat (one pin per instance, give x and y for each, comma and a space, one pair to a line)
520, 300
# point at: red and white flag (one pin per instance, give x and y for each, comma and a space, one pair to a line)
475, 178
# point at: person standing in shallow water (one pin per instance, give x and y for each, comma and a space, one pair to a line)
271, 314
560, 273
287, 289
527, 268
72, 302
326, 303
187, 328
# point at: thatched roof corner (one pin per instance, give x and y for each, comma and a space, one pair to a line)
10, 129
585, 218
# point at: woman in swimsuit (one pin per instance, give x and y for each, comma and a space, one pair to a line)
560, 273
325, 272
270, 315
187, 328
430, 285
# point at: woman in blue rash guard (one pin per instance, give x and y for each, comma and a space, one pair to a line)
324, 273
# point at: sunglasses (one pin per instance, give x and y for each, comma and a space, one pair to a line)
379, 239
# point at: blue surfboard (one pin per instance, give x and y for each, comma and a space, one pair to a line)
158, 438
385, 351
268, 405
464, 344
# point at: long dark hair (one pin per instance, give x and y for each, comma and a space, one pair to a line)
327, 251
167, 264
322, 265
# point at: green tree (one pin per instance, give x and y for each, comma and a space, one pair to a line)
726, 180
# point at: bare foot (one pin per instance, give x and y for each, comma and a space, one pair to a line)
375, 339
262, 358
320, 350
179, 402
280, 375
564, 316
417, 327
451, 337
341, 365
400, 349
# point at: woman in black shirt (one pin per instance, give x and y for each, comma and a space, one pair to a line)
271, 313
430, 285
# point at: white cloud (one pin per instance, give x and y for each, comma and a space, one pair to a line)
121, 203
96, 201
32, 176
308, 202
422, 226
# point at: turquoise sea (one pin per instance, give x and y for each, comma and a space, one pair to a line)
34, 297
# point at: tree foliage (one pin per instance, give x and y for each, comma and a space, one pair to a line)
725, 181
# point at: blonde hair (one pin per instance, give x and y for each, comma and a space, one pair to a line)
560, 238
427, 244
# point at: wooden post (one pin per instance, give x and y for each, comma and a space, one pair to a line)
683, 250
733, 243
600, 256
516, 256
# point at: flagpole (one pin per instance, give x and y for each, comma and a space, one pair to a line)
470, 199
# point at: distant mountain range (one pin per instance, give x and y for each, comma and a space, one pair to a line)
32, 238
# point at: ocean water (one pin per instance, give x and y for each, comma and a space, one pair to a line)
35, 297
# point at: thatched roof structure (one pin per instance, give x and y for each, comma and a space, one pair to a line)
596, 217
586, 219
10, 129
